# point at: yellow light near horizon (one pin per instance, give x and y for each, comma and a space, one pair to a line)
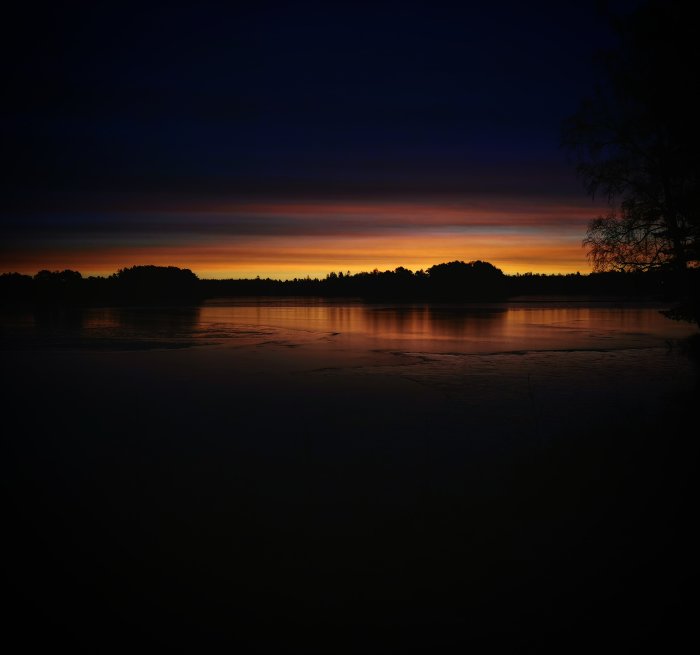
286, 258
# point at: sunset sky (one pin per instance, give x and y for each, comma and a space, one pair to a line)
287, 139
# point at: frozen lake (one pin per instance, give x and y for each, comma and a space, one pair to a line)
434, 328
304, 476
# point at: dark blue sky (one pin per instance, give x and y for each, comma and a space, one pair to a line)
297, 97
138, 108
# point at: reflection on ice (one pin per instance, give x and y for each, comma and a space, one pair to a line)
436, 328
505, 327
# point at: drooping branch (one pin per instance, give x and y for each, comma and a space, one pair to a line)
636, 141
622, 241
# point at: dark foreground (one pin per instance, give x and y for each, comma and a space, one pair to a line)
242, 499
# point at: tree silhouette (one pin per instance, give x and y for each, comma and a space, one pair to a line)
58, 286
636, 142
455, 281
156, 284
467, 281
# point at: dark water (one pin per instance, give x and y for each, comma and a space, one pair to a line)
312, 477
486, 328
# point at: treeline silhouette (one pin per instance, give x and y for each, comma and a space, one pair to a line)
135, 285
455, 281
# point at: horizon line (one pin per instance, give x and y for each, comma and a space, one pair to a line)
259, 276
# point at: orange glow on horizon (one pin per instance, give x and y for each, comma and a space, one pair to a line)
274, 258
284, 240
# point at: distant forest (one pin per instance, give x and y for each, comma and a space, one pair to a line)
455, 281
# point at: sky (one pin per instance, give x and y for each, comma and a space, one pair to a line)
286, 139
